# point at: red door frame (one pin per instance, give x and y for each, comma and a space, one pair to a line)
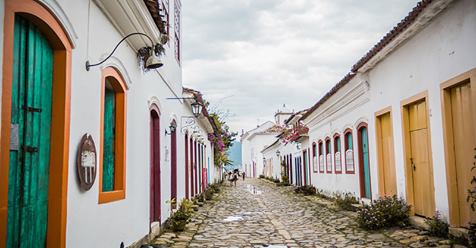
195, 167
192, 188
186, 168
155, 201
361, 159
173, 158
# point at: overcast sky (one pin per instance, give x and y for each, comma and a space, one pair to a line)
250, 57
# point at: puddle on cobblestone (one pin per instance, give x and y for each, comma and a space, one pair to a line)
233, 218
253, 190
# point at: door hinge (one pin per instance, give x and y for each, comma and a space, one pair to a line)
32, 109
30, 149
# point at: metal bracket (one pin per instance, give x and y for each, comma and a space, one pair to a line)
31, 109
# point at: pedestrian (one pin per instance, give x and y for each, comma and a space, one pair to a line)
243, 174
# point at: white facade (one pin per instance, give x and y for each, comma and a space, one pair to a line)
94, 28
435, 48
253, 142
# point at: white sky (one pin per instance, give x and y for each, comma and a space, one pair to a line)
249, 57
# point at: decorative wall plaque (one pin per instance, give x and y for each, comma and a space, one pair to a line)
86, 163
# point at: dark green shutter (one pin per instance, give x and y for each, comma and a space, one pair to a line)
31, 113
109, 137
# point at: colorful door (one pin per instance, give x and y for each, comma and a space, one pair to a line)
464, 143
155, 196
30, 139
419, 160
365, 191
173, 158
387, 178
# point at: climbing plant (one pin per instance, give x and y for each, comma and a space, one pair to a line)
222, 139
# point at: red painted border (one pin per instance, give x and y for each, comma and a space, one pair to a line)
346, 145
337, 135
361, 160
328, 167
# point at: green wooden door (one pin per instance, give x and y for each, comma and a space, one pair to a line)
109, 138
30, 150
365, 160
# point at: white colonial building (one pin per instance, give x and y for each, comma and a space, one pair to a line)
125, 123
402, 121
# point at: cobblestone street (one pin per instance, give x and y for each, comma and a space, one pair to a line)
256, 213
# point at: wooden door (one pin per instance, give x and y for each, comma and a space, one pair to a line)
419, 160
30, 140
365, 190
464, 143
386, 156
155, 197
173, 163
187, 184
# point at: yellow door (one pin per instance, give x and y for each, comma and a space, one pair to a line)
464, 143
387, 182
419, 160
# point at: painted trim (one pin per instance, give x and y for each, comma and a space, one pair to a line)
361, 160
450, 157
326, 148
346, 145
153, 108
337, 135
378, 137
119, 192
406, 147
60, 117
315, 164
320, 152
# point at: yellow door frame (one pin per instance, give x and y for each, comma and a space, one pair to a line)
448, 141
381, 174
407, 152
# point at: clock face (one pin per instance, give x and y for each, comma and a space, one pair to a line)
86, 163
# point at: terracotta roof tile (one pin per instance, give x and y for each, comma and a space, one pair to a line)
399, 28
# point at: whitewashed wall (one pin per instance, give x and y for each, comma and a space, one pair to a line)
90, 224
346, 109
442, 50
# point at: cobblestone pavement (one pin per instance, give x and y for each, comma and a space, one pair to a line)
258, 214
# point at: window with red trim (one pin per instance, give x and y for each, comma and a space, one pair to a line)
328, 156
337, 154
314, 157
349, 152
321, 157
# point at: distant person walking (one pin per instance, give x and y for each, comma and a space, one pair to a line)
243, 174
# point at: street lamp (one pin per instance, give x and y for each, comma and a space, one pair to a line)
149, 54
196, 108
278, 153
298, 146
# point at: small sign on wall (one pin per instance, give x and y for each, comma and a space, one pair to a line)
86, 163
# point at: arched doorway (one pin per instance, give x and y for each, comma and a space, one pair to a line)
364, 162
155, 196
173, 161
29, 193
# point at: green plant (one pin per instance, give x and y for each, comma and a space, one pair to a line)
276, 180
306, 190
284, 178
438, 227
471, 198
178, 220
384, 212
261, 176
345, 201
472, 235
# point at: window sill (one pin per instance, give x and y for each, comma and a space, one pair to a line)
111, 196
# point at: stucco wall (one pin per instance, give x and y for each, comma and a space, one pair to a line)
444, 49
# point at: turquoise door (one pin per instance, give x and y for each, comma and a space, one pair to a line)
365, 167
30, 139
